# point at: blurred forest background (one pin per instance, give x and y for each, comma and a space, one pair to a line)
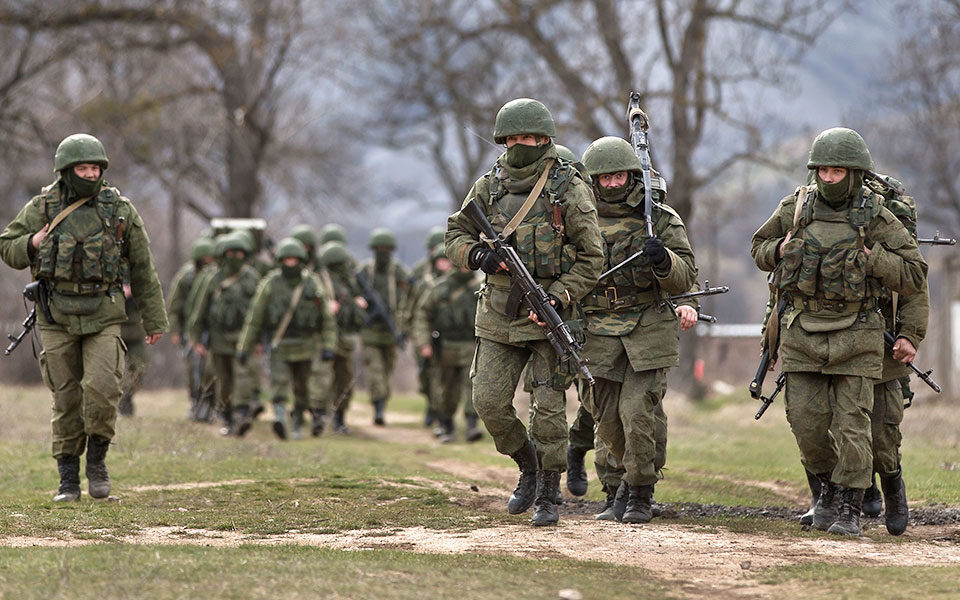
380, 112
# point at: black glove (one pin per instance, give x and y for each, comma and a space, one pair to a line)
242, 358
654, 250
557, 305
328, 355
486, 260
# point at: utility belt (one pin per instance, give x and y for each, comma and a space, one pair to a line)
842, 307
618, 296
72, 288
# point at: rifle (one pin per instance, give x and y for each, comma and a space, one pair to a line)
377, 309
35, 292
936, 240
769, 354
768, 400
556, 331
709, 291
889, 340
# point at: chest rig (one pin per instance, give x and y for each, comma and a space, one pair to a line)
456, 315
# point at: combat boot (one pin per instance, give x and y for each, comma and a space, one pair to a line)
545, 511
429, 418
474, 432
226, 418
526, 490
576, 471
897, 514
280, 420
814, 484
872, 500
318, 421
848, 519
69, 468
241, 421
827, 508
638, 509
655, 509
449, 434
296, 423
616, 503
378, 407
98, 480
339, 425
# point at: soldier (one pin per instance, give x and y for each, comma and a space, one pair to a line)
443, 334
79, 236
248, 379
554, 229
308, 237
389, 279
133, 335
223, 298
632, 329
291, 308
201, 254
835, 249
347, 304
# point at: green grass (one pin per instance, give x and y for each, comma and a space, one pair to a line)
878, 583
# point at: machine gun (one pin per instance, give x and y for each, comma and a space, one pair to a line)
556, 331
377, 309
35, 292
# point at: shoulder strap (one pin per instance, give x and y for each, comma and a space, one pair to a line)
63, 214
528, 204
288, 316
802, 192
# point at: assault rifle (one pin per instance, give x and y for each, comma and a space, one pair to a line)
639, 123
35, 292
768, 400
556, 331
708, 291
889, 340
936, 240
377, 309
770, 350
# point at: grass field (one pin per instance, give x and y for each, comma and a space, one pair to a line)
390, 513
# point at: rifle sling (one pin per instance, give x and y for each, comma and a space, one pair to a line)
773, 321
288, 316
528, 204
63, 214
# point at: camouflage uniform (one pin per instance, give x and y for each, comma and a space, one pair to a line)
831, 334
292, 351
632, 329
82, 262
133, 336
223, 296
559, 241
444, 321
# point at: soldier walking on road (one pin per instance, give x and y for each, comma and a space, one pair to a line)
79, 237
543, 208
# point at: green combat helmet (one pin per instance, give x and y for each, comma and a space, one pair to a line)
248, 239
331, 232
381, 237
305, 235
333, 253
610, 155
79, 148
202, 248
435, 236
523, 116
229, 241
291, 247
840, 147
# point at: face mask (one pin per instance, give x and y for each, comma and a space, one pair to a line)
291, 272
233, 264
80, 187
519, 155
617, 194
381, 258
834, 194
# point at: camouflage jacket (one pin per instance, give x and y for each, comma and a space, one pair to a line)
84, 258
179, 290
445, 318
558, 240
391, 285
220, 306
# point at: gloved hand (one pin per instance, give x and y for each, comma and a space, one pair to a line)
242, 358
654, 250
327, 355
487, 260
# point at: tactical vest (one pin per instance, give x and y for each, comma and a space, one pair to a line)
370, 269
539, 239
81, 258
231, 298
456, 315
306, 318
825, 265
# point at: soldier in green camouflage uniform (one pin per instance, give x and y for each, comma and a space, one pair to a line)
223, 298
835, 251
201, 254
79, 237
290, 309
443, 333
347, 305
632, 329
389, 278
559, 241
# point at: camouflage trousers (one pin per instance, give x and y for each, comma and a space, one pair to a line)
885, 422
287, 376
320, 381
627, 420
830, 419
495, 372
379, 361
429, 374
453, 387
248, 380
84, 373
231, 389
